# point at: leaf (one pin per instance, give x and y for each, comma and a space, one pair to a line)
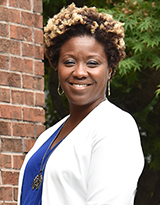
145, 25
128, 64
158, 91
138, 48
150, 41
130, 24
156, 62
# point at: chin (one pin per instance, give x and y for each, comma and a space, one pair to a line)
80, 101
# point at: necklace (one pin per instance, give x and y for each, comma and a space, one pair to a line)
104, 99
38, 178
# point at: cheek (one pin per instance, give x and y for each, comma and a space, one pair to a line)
102, 76
62, 74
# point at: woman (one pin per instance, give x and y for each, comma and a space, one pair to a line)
93, 156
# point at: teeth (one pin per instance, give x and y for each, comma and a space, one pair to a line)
76, 85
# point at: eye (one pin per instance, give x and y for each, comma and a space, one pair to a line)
69, 62
92, 63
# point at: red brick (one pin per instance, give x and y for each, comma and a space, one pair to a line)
25, 4
15, 47
4, 62
33, 82
10, 79
22, 97
9, 177
10, 112
4, 46
15, 191
18, 161
27, 66
11, 145
14, 16
33, 20
40, 129
9, 15
23, 129
4, 14
39, 68
4, 29
38, 21
3, 2
29, 144
38, 36
33, 114
16, 64
4, 94
10, 46
14, 3
27, 18
21, 33
5, 161
28, 98
28, 50
39, 54
5, 128
37, 6
22, 65
17, 97
40, 99
6, 193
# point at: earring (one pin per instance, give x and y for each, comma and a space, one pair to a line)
58, 90
109, 87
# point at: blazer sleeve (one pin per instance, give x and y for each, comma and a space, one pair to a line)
116, 164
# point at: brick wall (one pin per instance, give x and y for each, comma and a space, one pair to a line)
21, 88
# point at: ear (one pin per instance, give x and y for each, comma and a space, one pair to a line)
109, 72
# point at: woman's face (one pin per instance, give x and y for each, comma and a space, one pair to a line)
83, 70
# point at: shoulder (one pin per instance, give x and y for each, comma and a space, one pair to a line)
109, 115
109, 124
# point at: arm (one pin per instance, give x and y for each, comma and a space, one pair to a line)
116, 165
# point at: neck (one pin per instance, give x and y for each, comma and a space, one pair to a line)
78, 113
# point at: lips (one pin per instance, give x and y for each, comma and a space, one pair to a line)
80, 85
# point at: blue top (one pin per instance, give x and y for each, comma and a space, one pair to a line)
31, 196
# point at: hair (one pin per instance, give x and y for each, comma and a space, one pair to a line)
73, 22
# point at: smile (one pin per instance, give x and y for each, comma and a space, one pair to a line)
80, 85
76, 85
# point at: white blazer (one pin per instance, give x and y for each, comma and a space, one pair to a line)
98, 163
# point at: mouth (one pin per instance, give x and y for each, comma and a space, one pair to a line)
79, 85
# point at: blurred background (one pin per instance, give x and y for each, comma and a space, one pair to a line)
136, 85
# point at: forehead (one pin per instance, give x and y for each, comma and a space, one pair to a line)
82, 44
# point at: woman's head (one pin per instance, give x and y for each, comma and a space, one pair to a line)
83, 70
74, 22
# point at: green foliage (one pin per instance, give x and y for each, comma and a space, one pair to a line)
129, 64
51, 7
142, 37
142, 33
158, 91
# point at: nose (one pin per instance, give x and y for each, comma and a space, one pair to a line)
80, 71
